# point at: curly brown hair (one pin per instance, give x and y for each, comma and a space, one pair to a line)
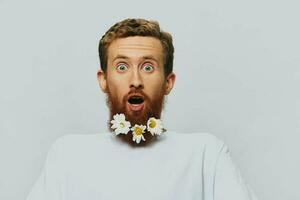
137, 27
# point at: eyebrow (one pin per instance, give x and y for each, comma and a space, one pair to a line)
127, 58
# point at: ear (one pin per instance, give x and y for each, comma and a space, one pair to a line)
101, 76
170, 81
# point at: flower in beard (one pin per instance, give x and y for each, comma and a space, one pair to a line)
137, 132
154, 126
120, 124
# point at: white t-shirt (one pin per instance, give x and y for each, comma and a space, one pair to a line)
178, 166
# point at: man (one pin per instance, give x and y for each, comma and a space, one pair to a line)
138, 158
136, 73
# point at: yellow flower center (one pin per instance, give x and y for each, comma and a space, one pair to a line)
152, 123
138, 131
122, 125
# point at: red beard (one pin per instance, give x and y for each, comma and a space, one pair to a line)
152, 108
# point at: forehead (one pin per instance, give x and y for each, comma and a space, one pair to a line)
136, 46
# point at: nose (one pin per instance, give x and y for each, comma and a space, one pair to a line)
136, 80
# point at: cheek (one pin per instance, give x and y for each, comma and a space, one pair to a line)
154, 87
116, 89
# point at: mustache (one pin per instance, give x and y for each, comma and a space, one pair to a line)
135, 91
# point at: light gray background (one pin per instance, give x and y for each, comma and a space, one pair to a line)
237, 65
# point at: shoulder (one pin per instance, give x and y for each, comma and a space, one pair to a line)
201, 142
75, 138
77, 142
197, 138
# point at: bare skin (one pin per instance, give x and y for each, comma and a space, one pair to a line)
135, 65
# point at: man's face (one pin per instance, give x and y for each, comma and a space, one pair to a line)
134, 81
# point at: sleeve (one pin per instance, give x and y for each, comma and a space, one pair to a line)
228, 182
49, 185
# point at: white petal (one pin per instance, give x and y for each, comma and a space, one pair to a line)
134, 138
116, 116
125, 130
152, 132
138, 140
148, 122
117, 132
127, 123
158, 133
122, 117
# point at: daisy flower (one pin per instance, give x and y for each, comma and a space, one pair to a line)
137, 132
120, 124
154, 126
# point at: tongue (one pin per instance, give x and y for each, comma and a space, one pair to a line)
136, 107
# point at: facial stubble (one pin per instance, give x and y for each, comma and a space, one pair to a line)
152, 108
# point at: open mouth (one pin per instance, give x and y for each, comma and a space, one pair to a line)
135, 100
135, 103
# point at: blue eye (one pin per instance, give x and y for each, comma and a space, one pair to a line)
148, 68
121, 67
